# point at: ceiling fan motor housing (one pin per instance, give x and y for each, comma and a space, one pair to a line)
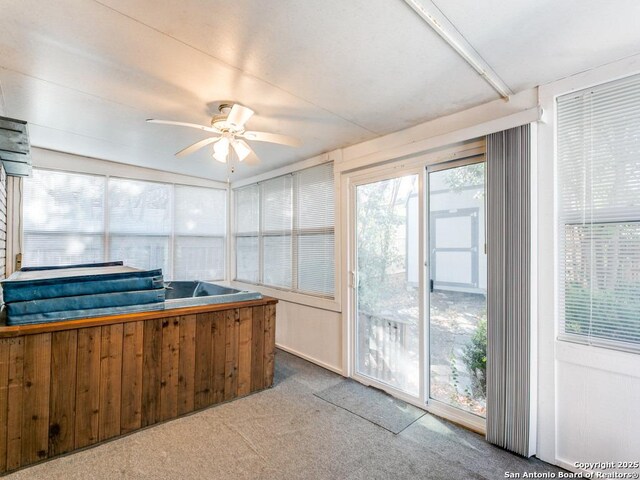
220, 123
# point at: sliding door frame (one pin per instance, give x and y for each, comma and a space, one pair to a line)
416, 165
438, 407
367, 178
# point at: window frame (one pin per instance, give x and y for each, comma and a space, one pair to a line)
293, 294
564, 219
107, 234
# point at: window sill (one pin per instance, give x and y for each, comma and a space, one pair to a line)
599, 358
292, 297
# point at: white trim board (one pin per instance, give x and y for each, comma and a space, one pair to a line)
471, 117
448, 139
54, 160
278, 172
310, 359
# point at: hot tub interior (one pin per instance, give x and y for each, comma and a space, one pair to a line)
189, 293
195, 289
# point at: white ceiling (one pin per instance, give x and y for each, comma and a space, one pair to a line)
86, 74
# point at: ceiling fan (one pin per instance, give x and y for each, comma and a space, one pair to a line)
229, 132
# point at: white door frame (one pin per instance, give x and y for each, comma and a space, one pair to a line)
349, 181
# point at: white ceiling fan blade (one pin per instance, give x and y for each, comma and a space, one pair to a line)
197, 146
182, 124
242, 149
239, 115
252, 159
272, 138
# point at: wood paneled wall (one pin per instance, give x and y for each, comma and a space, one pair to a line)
65, 390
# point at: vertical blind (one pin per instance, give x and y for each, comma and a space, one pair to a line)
75, 218
510, 418
285, 232
598, 141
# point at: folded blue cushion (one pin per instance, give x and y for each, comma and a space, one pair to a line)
76, 314
88, 284
85, 302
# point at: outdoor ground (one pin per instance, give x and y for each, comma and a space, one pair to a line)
394, 358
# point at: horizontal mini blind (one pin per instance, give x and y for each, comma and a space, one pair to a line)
63, 218
200, 224
315, 212
140, 223
284, 229
277, 213
598, 141
74, 218
247, 226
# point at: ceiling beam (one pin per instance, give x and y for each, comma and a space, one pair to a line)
432, 16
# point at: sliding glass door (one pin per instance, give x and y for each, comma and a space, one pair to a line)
387, 330
419, 266
457, 265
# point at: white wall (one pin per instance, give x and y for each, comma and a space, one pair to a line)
310, 333
588, 396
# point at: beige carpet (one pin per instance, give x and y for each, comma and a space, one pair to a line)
288, 433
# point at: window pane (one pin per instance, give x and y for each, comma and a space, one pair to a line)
69, 206
315, 197
387, 318
276, 204
200, 211
247, 259
247, 207
42, 249
145, 252
277, 261
199, 258
599, 214
63, 202
316, 264
139, 207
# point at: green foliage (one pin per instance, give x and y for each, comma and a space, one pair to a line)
604, 307
470, 175
474, 357
378, 221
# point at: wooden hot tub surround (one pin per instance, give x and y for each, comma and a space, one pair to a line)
68, 385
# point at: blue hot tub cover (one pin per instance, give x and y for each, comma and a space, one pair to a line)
75, 314
41, 284
46, 294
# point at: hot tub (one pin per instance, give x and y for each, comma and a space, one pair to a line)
188, 294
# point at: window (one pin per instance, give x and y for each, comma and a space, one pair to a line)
74, 218
63, 218
285, 232
598, 141
200, 229
140, 223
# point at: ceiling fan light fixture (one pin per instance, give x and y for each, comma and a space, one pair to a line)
241, 148
221, 150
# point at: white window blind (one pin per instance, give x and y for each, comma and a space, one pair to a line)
315, 230
200, 229
247, 225
63, 218
68, 219
140, 223
598, 141
285, 232
277, 214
